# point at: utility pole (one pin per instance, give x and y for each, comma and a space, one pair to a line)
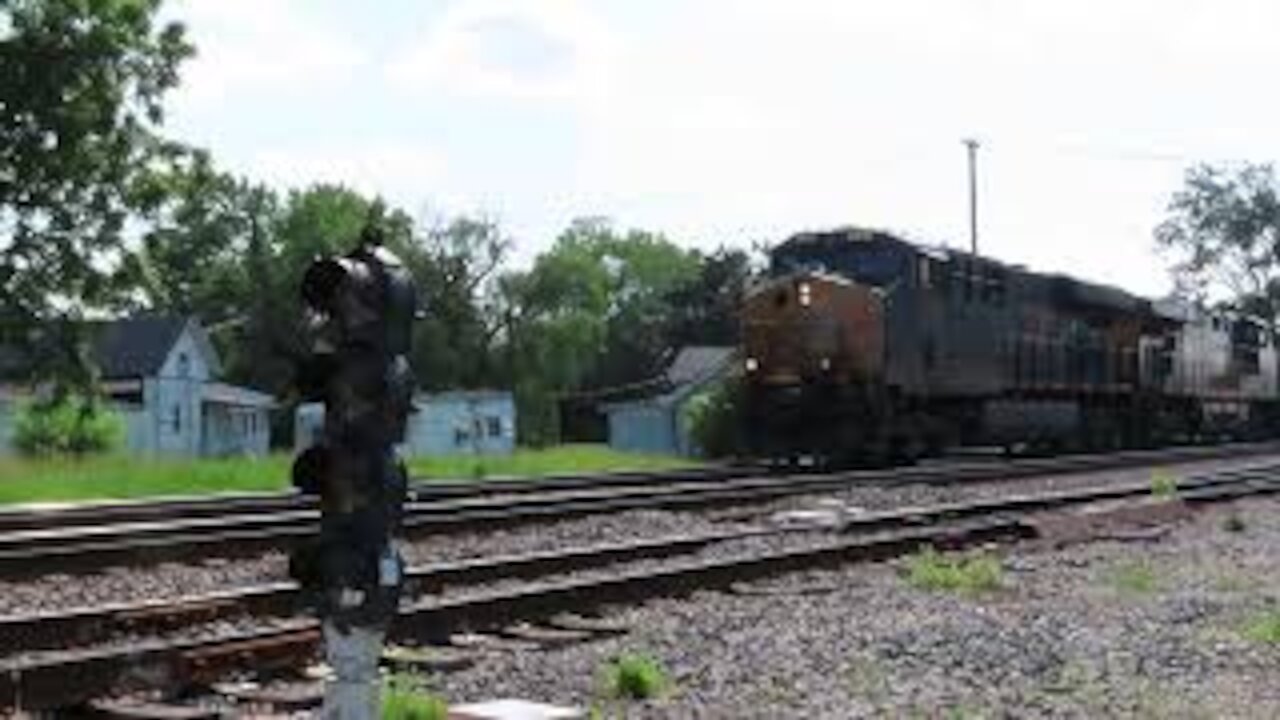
972, 145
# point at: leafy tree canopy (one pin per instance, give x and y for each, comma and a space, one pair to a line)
81, 84
1223, 228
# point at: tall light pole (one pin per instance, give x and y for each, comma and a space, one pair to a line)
972, 145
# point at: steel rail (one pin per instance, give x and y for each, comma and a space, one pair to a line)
54, 515
91, 547
31, 682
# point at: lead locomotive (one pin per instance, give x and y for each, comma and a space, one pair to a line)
860, 346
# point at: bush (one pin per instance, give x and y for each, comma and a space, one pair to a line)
931, 570
635, 676
72, 426
405, 698
714, 419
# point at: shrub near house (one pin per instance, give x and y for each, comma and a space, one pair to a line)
72, 426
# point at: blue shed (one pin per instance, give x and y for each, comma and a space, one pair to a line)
656, 423
455, 422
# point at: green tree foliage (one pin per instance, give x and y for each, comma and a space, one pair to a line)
81, 83
704, 309
455, 264
68, 426
1223, 227
592, 312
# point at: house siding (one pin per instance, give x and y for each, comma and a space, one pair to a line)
453, 423
168, 413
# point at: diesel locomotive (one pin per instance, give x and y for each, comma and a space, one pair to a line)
861, 347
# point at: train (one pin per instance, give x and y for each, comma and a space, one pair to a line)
861, 347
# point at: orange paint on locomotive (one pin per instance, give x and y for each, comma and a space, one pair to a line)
812, 327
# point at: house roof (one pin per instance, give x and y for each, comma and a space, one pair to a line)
136, 347
127, 348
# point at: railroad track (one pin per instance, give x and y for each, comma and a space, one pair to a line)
69, 542
499, 593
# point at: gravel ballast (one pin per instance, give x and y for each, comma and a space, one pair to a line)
1161, 628
171, 580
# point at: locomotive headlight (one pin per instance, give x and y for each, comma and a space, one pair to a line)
806, 294
752, 364
826, 363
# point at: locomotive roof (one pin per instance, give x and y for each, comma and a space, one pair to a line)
1064, 287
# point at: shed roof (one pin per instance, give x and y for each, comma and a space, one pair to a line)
696, 363
691, 368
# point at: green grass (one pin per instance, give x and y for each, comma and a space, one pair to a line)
561, 459
404, 697
123, 477
119, 477
1264, 628
970, 574
1164, 484
634, 676
1136, 578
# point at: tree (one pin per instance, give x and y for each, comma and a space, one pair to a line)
704, 310
593, 312
1223, 227
81, 83
455, 264
206, 234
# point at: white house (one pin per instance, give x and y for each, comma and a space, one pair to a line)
456, 422
160, 374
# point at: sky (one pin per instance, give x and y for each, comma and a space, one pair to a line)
733, 121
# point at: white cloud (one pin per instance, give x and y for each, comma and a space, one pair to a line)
511, 49
406, 175
262, 48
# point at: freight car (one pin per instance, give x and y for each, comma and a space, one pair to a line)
860, 347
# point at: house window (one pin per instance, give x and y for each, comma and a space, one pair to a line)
495, 426
177, 418
460, 436
184, 365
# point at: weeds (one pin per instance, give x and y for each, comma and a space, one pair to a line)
1264, 628
1164, 485
405, 698
1136, 578
970, 574
635, 676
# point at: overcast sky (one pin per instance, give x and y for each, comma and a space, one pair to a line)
727, 121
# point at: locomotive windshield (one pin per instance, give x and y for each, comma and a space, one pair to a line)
869, 263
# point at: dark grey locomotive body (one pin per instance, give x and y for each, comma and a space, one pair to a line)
976, 351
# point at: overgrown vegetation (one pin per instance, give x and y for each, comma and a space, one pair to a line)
965, 573
1164, 484
1137, 578
713, 417
71, 426
634, 676
405, 697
